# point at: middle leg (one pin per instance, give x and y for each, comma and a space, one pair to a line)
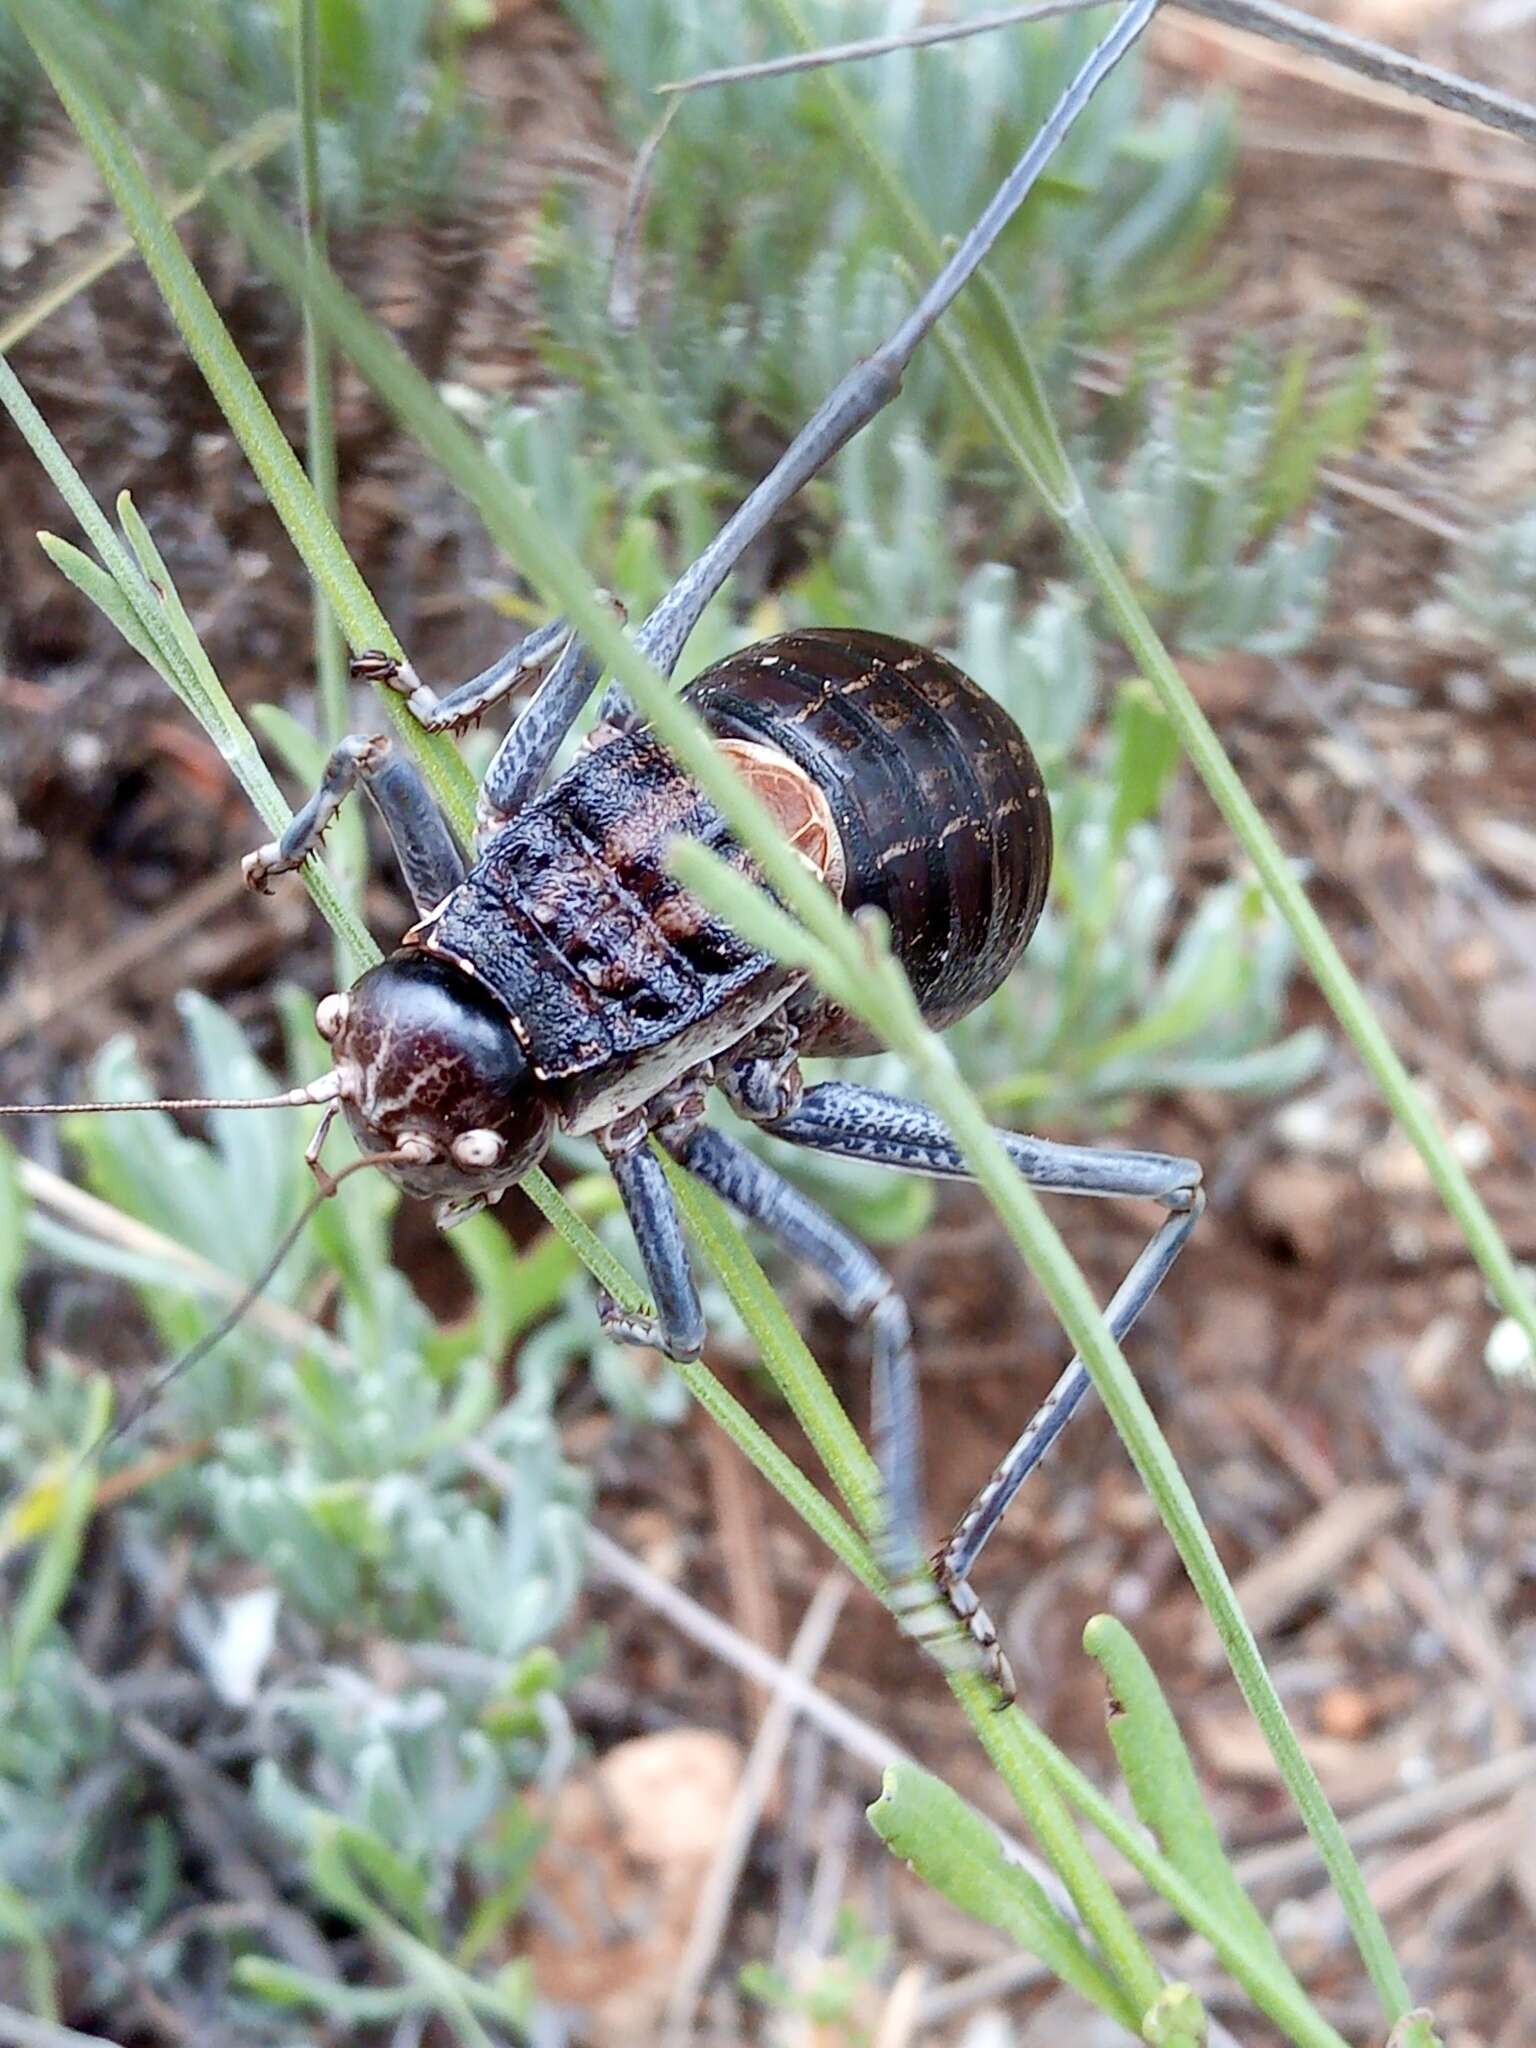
864, 1291
862, 1123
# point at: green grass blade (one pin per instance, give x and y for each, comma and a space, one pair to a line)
319, 413
784, 1351
1021, 1752
783, 1474
586, 1244
150, 609
93, 582
250, 418
320, 427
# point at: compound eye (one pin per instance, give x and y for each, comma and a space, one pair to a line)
414, 1148
331, 1016
475, 1151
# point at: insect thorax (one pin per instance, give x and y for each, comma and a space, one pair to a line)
614, 978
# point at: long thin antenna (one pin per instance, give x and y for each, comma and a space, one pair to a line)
137, 1409
1484, 104
326, 1089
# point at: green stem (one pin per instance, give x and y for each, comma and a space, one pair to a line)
320, 439
210, 705
586, 1244
319, 414
1344, 994
320, 423
235, 391
1020, 1753
782, 1473
1072, 1300
795, 1372
1272, 1993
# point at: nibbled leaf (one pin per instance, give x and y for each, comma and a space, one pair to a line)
1165, 1790
953, 1849
1177, 2020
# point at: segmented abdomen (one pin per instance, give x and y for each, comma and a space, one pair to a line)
938, 800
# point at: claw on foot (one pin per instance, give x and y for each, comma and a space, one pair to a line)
259, 867
387, 673
642, 1331
373, 665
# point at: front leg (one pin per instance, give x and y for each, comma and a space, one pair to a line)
677, 1328
429, 859
524, 757
470, 700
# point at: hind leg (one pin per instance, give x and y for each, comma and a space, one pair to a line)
861, 1123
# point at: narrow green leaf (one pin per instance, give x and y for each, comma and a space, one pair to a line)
66, 57
398, 1884
351, 850
746, 907
245, 762
588, 1247
953, 1849
1164, 1788
93, 582
783, 1474
988, 319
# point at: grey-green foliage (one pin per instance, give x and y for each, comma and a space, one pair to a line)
1492, 584
397, 127
770, 274
1197, 486
335, 1466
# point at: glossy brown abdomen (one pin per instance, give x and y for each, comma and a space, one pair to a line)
939, 803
